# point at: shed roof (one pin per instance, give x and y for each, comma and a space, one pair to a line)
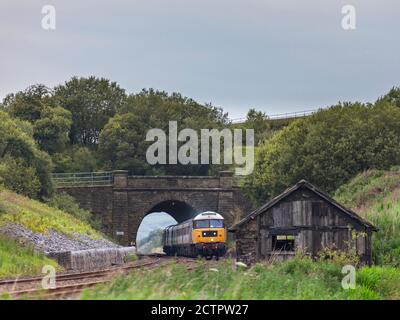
312, 188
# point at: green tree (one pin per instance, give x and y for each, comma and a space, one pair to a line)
75, 159
16, 175
392, 97
19, 156
50, 123
327, 148
123, 141
92, 102
28, 104
51, 130
258, 121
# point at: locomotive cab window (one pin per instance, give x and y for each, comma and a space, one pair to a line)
199, 224
283, 243
213, 223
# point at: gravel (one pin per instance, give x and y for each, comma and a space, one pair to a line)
54, 241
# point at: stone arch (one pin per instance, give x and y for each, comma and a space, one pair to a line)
179, 205
123, 204
177, 209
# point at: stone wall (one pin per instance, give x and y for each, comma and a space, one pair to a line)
94, 259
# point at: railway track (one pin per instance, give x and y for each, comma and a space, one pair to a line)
68, 285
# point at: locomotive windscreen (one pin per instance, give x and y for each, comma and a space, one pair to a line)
213, 223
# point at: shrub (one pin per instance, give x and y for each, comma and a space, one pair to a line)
16, 144
66, 203
339, 257
328, 148
17, 176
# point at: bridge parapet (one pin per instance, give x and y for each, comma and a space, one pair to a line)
83, 179
174, 182
121, 179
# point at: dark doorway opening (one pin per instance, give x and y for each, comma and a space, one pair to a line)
283, 243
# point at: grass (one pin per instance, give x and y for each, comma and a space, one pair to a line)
16, 260
39, 217
300, 278
375, 195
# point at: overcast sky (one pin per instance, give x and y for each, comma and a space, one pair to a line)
275, 55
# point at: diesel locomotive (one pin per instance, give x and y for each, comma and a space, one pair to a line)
204, 235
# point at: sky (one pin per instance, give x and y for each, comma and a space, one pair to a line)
273, 55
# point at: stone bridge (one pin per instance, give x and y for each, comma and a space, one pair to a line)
126, 200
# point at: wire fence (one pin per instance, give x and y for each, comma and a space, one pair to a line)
82, 179
98, 179
281, 116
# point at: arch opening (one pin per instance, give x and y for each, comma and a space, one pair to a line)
162, 215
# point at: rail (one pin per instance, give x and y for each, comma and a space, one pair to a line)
82, 179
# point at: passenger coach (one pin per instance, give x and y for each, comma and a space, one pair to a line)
203, 235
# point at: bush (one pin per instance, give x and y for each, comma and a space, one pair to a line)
383, 282
77, 159
17, 176
66, 203
19, 150
339, 257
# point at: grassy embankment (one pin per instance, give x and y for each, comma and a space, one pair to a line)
373, 194
300, 278
17, 259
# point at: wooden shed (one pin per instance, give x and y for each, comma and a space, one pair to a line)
304, 219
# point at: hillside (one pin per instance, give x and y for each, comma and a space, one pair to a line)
375, 195
151, 243
29, 229
16, 259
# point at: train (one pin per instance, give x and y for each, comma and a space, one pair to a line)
204, 235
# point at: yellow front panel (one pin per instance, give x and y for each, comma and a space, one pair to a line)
198, 235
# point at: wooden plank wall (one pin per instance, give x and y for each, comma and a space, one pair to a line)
315, 223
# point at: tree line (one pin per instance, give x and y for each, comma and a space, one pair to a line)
92, 124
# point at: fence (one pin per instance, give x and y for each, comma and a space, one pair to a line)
82, 179
282, 116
